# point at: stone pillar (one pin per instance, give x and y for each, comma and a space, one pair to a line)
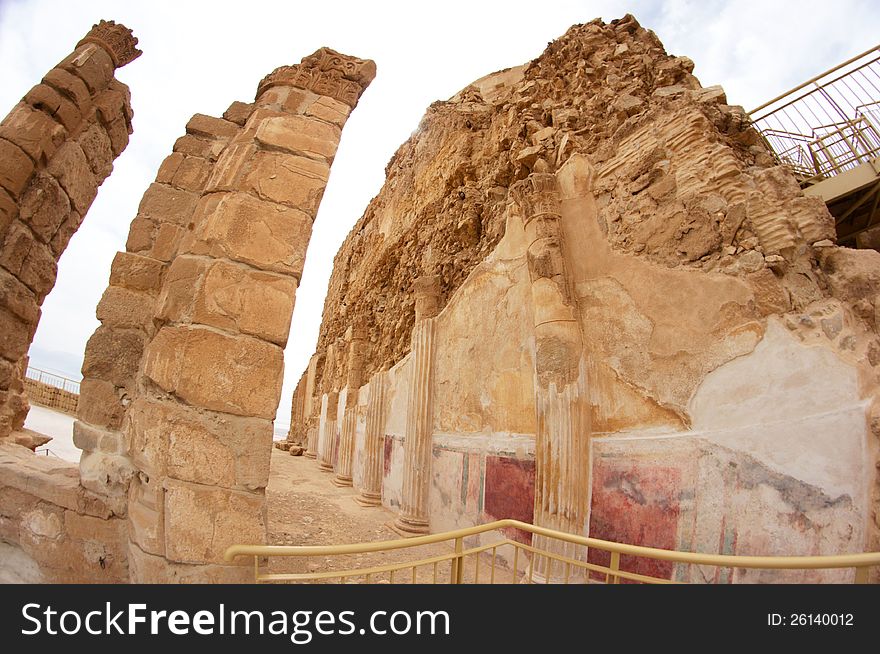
356, 337
327, 436
563, 426
313, 406
57, 146
199, 427
374, 445
413, 517
126, 311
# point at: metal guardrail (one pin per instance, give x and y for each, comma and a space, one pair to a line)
51, 379
830, 123
554, 557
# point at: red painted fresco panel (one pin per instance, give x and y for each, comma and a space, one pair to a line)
637, 504
510, 491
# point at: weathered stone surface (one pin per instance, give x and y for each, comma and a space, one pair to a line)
262, 234
113, 355
16, 169
44, 207
299, 135
191, 174
162, 203
210, 127
91, 64
71, 168
121, 307
297, 181
98, 150
201, 446
330, 110
238, 112
136, 272
33, 131
249, 301
31, 261
240, 375
99, 405
201, 522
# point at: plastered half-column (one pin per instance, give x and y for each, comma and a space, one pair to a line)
328, 432
57, 146
356, 337
374, 444
413, 517
561, 400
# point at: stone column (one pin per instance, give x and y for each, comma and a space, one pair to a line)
374, 445
563, 426
313, 406
57, 146
356, 336
200, 425
413, 517
327, 436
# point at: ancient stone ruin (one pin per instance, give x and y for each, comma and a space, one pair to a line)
587, 297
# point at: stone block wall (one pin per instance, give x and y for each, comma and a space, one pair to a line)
56, 148
50, 396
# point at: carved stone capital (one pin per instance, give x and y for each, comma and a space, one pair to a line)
326, 72
537, 195
116, 39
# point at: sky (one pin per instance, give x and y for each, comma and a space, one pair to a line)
200, 56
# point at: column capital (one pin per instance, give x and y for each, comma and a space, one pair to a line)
116, 39
537, 195
325, 72
426, 291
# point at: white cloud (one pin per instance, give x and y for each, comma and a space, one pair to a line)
201, 56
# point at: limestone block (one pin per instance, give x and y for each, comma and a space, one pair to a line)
330, 110
238, 112
97, 147
69, 115
31, 261
299, 135
43, 97
286, 179
227, 173
44, 207
65, 232
33, 131
71, 86
91, 438
192, 173
210, 127
146, 568
193, 146
234, 374
182, 282
14, 503
113, 355
16, 168
167, 241
297, 100
140, 234
136, 272
99, 405
249, 301
15, 336
146, 515
8, 209
108, 476
200, 522
201, 446
121, 307
162, 203
92, 64
71, 168
168, 167
267, 236
17, 298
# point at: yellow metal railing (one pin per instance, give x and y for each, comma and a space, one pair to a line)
551, 557
828, 124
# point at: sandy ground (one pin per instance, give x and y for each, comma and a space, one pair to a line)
57, 425
306, 509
